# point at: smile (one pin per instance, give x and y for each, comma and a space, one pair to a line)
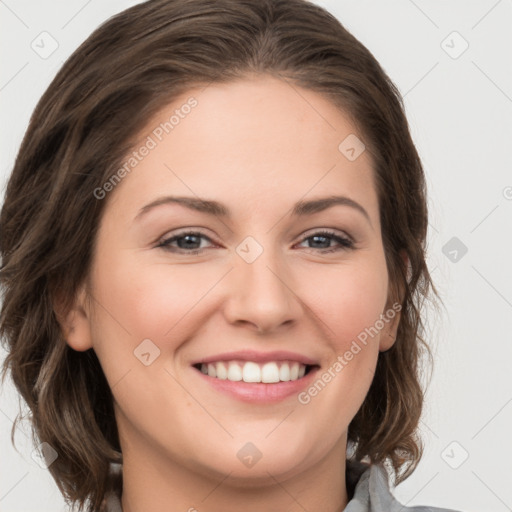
250, 371
245, 380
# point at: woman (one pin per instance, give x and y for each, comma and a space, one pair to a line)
213, 261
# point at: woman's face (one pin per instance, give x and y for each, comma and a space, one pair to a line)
263, 289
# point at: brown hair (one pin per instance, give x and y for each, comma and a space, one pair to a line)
83, 126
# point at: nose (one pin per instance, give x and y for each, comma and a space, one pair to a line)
262, 294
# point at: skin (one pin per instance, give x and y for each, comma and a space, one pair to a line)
258, 146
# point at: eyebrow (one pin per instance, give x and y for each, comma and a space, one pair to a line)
211, 207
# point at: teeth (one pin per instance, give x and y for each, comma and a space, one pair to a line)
234, 372
249, 371
222, 371
284, 372
294, 371
270, 373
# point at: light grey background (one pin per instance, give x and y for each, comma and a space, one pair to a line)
460, 112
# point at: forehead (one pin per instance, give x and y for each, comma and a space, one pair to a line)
253, 140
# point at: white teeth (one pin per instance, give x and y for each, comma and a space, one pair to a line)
222, 371
234, 372
249, 371
294, 371
284, 372
270, 373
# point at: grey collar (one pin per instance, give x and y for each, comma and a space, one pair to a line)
372, 492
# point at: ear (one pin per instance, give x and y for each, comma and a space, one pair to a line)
74, 320
392, 311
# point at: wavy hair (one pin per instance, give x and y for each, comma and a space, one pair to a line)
83, 126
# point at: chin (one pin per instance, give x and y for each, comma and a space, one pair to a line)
251, 464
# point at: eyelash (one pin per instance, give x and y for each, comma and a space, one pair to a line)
345, 243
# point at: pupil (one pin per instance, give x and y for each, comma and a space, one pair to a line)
187, 238
316, 237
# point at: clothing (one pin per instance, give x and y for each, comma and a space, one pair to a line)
372, 492
367, 487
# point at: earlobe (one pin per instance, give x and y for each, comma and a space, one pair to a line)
74, 322
388, 333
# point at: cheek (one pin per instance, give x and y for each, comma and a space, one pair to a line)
156, 301
137, 302
349, 305
349, 300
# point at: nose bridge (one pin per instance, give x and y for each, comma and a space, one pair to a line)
261, 293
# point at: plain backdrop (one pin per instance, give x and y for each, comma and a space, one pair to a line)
452, 63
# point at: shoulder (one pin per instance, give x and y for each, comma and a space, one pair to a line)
373, 494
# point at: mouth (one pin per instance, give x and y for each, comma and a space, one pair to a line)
257, 377
270, 372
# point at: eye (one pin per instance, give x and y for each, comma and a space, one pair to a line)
185, 241
325, 237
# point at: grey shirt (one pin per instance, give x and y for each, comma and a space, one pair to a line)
367, 487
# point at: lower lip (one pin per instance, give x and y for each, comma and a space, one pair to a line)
258, 391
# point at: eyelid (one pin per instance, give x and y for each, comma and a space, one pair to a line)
330, 231
183, 232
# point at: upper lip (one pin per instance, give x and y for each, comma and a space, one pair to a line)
257, 357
